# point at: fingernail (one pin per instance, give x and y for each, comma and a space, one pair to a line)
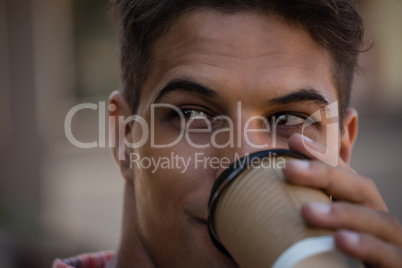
320, 208
300, 164
305, 138
351, 238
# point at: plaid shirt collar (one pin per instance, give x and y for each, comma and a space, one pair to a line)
92, 260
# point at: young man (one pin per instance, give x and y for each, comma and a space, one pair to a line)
235, 70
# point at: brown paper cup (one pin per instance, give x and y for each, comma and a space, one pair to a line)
254, 216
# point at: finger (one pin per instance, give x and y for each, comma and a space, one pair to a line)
341, 215
342, 184
368, 248
308, 147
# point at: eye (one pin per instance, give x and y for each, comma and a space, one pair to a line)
292, 120
197, 118
289, 120
195, 114
285, 124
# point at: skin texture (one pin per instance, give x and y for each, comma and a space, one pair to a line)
254, 59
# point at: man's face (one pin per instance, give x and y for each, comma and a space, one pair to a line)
205, 65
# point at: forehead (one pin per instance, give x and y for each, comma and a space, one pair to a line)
245, 49
242, 32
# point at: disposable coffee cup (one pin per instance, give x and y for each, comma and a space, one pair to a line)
254, 217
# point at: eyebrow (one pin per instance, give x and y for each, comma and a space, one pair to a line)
186, 85
306, 94
302, 95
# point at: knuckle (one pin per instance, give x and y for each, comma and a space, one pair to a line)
371, 186
342, 211
324, 168
392, 221
331, 173
371, 195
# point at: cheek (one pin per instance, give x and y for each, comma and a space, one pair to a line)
168, 198
174, 184
171, 179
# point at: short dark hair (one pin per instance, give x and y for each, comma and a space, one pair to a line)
334, 24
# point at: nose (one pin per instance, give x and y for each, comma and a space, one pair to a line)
250, 137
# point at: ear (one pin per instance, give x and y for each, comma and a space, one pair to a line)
120, 133
349, 134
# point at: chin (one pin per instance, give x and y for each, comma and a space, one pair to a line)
207, 255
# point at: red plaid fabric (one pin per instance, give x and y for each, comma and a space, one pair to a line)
92, 260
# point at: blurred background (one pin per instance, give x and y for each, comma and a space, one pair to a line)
57, 200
